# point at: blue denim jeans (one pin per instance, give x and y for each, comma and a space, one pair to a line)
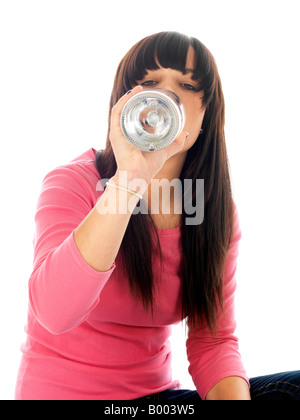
279, 386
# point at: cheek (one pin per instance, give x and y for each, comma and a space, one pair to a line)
193, 125
194, 118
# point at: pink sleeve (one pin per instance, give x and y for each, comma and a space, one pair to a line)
63, 288
215, 358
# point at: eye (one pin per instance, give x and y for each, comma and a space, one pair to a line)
188, 86
148, 83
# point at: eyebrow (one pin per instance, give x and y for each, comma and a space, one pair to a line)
184, 72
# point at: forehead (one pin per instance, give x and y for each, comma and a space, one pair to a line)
190, 63
188, 69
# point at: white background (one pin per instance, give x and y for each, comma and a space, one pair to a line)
58, 60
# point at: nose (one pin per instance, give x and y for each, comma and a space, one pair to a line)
169, 86
172, 88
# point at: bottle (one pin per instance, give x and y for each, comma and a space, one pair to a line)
153, 119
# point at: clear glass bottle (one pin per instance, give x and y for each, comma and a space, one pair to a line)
153, 119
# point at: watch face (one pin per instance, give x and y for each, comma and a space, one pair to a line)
153, 119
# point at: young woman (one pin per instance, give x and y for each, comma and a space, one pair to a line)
107, 285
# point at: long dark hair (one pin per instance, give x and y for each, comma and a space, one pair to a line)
204, 246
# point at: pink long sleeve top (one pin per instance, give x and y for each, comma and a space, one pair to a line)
87, 338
